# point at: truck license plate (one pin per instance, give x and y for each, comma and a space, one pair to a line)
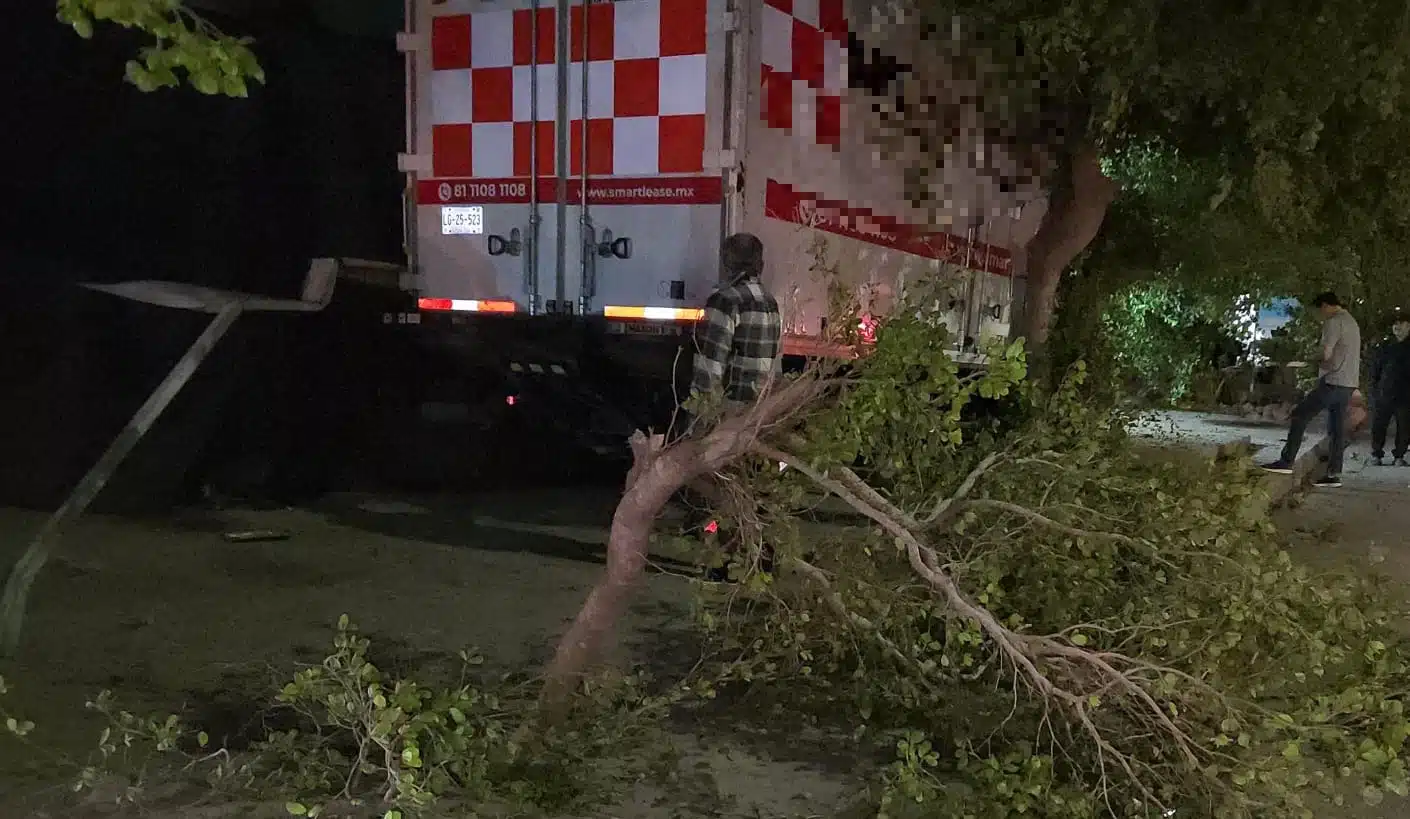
462, 220
644, 328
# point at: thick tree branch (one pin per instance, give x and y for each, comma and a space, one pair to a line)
1096, 669
658, 472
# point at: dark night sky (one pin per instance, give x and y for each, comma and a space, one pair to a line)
104, 183
107, 182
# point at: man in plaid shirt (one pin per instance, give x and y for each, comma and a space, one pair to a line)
738, 349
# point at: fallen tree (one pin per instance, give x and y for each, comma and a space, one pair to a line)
1040, 619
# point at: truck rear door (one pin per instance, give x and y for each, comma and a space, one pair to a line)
482, 107
643, 211
566, 154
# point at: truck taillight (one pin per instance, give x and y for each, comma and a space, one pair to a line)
467, 305
654, 313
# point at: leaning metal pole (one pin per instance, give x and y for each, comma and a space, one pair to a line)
12, 604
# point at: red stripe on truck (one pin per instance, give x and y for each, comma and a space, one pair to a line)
790, 205
655, 190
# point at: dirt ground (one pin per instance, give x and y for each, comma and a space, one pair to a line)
173, 616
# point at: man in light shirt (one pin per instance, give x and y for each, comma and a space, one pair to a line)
1339, 373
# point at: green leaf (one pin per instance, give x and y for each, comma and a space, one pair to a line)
138, 75
234, 86
205, 81
106, 9
1079, 639
296, 808
82, 26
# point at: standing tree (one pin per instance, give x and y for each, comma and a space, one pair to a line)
1298, 110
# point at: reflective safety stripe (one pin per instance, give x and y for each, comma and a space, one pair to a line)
657, 313
467, 305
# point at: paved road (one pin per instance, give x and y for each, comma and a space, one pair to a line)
1366, 521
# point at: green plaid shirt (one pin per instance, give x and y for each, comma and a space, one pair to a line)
739, 346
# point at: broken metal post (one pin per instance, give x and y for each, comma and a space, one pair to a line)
12, 604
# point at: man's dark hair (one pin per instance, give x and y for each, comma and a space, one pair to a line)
1327, 299
742, 255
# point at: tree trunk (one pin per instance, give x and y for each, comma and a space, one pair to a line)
657, 473
1074, 216
654, 478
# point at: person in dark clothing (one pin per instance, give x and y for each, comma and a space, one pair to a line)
738, 347
1390, 393
738, 351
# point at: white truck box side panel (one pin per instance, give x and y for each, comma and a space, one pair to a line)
856, 178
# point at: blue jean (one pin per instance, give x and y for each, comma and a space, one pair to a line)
1335, 400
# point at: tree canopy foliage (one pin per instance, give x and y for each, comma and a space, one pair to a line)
182, 46
1286, 121
1300, 104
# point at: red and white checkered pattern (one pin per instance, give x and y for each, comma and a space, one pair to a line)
804, 68
646, 83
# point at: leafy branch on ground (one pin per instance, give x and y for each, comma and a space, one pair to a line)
15, 725
352, 740
1040, 619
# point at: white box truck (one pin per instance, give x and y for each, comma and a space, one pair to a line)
572, 167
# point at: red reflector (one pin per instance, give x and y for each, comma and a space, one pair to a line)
433, 304
867, 326
712, 527
510, 400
